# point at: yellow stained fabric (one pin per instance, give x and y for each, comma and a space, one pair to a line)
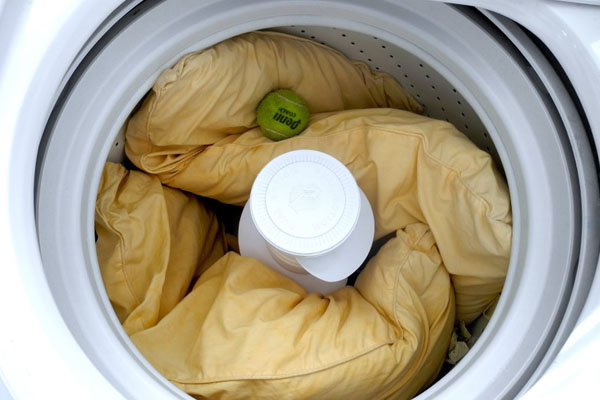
411, 168
244, 331
151, 241
210, 95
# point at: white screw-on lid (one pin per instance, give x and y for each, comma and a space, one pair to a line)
305, 203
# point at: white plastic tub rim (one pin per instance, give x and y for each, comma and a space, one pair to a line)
489, 81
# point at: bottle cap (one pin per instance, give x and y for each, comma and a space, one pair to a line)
305, 203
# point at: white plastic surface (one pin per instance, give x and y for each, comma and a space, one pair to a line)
4, 393
589, 193
307, 208
572, 34
253, 245
305, 203
324, 273
574, 372
39, 357
343, 260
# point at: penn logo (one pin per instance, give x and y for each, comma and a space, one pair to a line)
286, 117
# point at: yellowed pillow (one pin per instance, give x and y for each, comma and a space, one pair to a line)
212, 94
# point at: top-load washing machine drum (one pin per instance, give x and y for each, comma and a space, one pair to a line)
475, 69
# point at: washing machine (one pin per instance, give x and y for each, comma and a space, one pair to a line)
520, 78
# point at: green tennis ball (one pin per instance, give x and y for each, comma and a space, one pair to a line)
282, 114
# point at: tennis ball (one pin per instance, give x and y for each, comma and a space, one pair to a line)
282, 114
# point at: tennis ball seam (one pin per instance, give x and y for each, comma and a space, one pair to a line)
289, 100
279, 134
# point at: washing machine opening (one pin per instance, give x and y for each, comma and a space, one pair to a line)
452, 61
395, 145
